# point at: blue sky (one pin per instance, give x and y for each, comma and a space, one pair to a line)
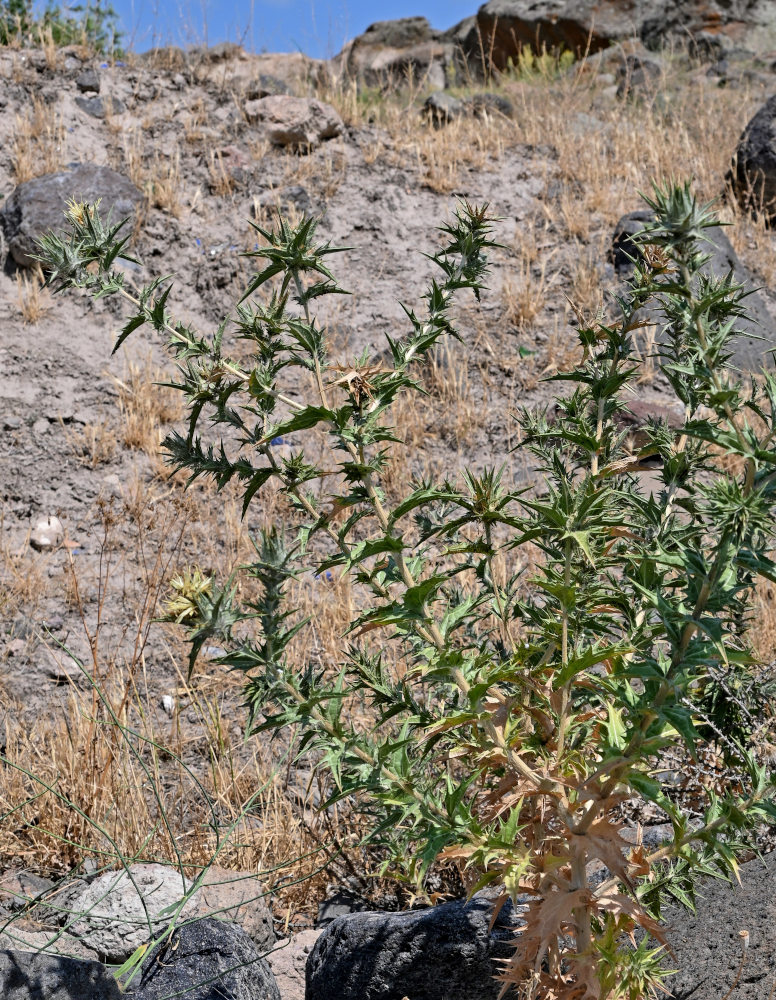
316, 27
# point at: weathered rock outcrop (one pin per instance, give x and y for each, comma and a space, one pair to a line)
37, 206
502, 27
294, 121
392, 53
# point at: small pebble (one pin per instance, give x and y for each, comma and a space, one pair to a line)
12, 423
48, 533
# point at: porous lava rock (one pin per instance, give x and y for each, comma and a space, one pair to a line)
300, 122
753, 174
29, 976
205, 960
37, 206
433, 954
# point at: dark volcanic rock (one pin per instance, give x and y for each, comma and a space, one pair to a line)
37, 206
441, 108
749, 351
434, 954
29, 976
753, 174
207, 960
708, 945
99, 107
88, 82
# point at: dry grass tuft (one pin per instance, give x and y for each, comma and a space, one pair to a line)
34, 300
38, 145
145, 405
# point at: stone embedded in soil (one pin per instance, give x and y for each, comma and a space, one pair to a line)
114, 922
294, 121
48, 533
38, 206
27, 976
205, 960
88, 82
433, 954
100, 107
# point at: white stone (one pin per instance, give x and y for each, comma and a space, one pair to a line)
48, 533
113, 921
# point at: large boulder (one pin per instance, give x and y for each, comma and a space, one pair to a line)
37, 206
29, 976
294, 121
393, 53
113, 907
708, 945
205, 960
758, 331
435, 954
502, 27
753, 174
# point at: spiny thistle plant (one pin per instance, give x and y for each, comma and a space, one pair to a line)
513, 715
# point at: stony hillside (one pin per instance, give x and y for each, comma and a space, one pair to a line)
378, 144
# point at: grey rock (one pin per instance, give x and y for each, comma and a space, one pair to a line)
707, 945
753, 174
12, 423
441, 108
37, 206
265, 86
114, 921
299, 122
100, 107
434, 954
28, 976
391, 53
398, 34
88, 82
205, 960
749, 352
